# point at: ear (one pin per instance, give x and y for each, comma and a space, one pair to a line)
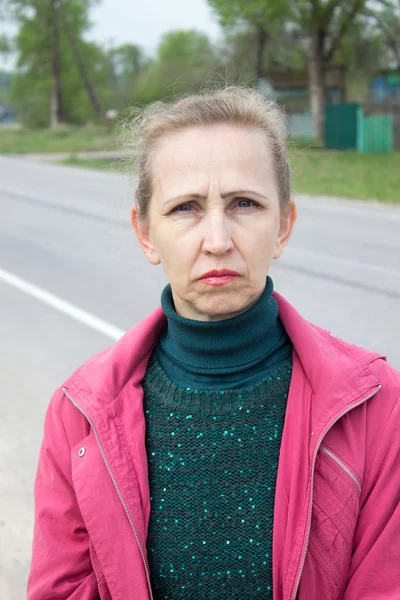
285, 231
142, 230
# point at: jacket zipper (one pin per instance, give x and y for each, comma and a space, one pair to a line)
303, 560
116, 486
341, 464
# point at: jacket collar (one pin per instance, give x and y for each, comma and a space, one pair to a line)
337, 372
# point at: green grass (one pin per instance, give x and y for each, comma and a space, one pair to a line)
346, 174
71, 139
107, 165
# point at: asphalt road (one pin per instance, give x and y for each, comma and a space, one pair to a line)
72, 278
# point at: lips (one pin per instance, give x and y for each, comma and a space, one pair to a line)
219, 273
219, 277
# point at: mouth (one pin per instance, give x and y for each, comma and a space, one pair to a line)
217, 278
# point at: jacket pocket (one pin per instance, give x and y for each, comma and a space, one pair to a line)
328, 452
334, 517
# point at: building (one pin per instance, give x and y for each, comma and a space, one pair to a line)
385, 87
292, 88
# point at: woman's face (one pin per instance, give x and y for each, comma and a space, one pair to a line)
214, 220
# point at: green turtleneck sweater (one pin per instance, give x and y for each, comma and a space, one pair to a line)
215, 397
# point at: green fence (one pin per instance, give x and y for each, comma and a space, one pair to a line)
375, 133
347, 128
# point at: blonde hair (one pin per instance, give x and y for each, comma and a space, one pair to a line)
233, 105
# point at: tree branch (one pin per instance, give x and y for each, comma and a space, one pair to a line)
392, 41
346, 22
329, 11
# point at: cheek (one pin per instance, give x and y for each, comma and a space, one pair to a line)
176, 252
258, 239
257, 248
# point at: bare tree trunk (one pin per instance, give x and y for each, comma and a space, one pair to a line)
57, 109
317, 85
54, 120
262, 39
96, 102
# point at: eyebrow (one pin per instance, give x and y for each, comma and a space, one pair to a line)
226, 195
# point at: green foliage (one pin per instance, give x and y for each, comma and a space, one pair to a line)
256, 12
336, 21
185, 59
363, 50
256, 29
126, 62
318, 26
240, 47
388, 21
5, 44
33, 84
125, 65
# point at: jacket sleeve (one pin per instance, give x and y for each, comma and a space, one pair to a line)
61, 565
375, 566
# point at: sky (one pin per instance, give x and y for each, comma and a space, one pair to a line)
142, 22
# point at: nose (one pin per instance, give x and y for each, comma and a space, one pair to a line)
217, 238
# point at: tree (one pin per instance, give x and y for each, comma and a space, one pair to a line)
58, 112
322, 24
184, 59
126, 63
80, 63
326, 24
388, 21
5, 44
48, 86
262, 16
363, 53
239, 48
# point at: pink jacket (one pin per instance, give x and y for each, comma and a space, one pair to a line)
337, 512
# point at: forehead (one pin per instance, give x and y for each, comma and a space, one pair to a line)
231, 155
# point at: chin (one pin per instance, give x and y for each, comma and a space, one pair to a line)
218, 309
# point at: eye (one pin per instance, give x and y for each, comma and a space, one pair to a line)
246, 203
182, 208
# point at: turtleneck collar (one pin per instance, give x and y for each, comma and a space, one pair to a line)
221, 347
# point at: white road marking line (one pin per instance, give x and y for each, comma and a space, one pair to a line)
76, 313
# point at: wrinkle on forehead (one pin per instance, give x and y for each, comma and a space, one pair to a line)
219, 159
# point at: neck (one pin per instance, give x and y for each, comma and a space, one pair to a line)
222, 347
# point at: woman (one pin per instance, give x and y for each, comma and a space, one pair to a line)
224, 447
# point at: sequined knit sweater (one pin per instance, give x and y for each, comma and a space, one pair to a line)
213, 457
